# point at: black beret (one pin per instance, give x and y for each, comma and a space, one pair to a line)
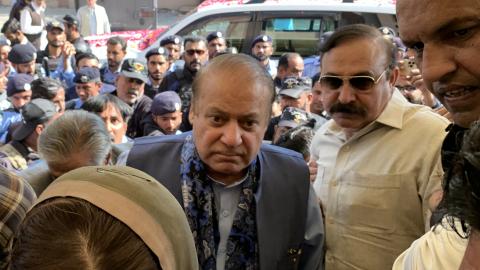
214, 35
174, 39
261, 38
20, 82
87, 74
22, 53
157, 51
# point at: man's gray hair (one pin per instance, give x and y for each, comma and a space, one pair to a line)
72, 133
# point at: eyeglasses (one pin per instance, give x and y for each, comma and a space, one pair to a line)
358, 82
134, 80
191, 52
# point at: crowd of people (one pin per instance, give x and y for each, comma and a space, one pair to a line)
200, 157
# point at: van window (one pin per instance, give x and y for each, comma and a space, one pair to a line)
299, 35
234, 27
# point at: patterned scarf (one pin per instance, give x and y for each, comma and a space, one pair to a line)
199, 205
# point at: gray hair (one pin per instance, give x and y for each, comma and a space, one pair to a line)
75, 132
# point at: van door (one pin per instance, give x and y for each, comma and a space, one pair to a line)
295, 31
234, 26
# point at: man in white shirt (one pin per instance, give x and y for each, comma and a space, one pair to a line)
93, 19
378, 160
32, 21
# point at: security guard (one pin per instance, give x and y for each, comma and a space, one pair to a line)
87, 84
157, 65
262, 49
23, 57
173, 44
180, 81
21, 151
216, 44
19, 93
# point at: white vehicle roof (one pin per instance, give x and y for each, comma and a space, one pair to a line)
359, 6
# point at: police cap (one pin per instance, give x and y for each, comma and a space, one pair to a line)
22, 54
214, 35
87, 75
157, 51
261, 38
174, 39
20, 82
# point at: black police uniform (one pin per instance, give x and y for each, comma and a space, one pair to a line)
180, 81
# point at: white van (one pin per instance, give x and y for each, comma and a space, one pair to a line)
295, 26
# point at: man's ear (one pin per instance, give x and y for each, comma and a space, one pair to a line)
39, 128
108, 159
191, 114
393, 76
309, 97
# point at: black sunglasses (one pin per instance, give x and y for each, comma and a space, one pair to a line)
191, 52
358, 82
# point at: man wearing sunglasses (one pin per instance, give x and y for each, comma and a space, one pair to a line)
180, 81
378, 160
130, 85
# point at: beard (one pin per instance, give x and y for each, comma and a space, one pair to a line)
56, 44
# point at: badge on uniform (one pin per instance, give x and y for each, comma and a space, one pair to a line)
138, 67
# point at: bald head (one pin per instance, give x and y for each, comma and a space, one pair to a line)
234, 69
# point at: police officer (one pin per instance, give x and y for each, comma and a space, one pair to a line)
21, 151
71, 25
23, 57
19, 93
262, 49
181, 80
216, 44
157, 65
87, 84
173, 44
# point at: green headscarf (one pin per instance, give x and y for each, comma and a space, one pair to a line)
140, 202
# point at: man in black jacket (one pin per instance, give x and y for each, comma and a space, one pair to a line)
180, 81
130, 85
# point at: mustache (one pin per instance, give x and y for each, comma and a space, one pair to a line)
132, 91
195, 62
350, 108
